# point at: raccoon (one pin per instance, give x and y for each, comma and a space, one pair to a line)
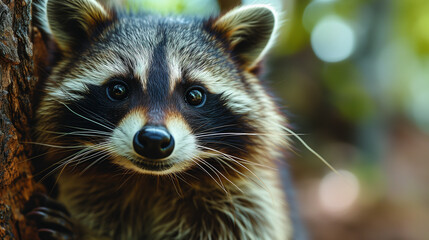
158, 127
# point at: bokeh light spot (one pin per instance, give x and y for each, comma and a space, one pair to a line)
333, 40
338, 192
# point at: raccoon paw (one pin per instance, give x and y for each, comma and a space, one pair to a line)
52, 219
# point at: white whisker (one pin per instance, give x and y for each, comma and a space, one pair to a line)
88, 119
311, 150
228, 157
196, 162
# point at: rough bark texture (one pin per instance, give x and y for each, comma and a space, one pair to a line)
17, 84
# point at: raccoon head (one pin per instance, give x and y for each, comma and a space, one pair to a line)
158, 95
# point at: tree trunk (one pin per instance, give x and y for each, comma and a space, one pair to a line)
17, 84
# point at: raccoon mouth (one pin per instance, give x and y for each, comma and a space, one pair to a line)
152, 166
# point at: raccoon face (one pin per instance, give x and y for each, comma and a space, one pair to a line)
158, 95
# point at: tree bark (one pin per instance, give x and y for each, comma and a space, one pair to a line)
17, 85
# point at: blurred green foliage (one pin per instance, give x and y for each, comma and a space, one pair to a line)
195, 7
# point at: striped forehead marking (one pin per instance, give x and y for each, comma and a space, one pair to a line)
157, 82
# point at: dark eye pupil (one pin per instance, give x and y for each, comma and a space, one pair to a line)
117, 91
195, 97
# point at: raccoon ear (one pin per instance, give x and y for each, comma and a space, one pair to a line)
72, 22
249, 30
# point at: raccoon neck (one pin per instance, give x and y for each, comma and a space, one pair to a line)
130, 202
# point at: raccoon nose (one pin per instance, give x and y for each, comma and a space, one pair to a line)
153, 142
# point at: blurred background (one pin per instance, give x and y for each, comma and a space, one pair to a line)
353, 77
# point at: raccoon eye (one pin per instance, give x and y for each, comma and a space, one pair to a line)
195, 96
117, 90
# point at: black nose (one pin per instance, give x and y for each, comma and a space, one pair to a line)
153, 142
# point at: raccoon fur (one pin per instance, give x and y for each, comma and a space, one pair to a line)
158, 127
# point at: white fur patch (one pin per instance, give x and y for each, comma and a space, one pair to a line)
142, 67
186, 143
175, 71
